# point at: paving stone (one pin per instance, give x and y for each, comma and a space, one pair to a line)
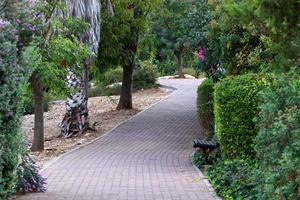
147, 157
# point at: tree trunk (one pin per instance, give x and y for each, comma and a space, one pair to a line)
131, 45
86, 77
180, 64
38, 93
125, 101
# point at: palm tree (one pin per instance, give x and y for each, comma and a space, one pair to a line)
76, 119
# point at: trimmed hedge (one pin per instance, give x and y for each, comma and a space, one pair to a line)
235, 107
205, 107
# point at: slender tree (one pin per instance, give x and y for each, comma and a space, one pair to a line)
76, 119
120, 41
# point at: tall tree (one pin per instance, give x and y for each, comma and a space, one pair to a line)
170, 27
120, 41
76, 119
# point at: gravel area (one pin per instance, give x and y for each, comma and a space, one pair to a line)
103, 114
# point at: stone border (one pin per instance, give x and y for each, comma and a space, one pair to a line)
205, 180
48, 164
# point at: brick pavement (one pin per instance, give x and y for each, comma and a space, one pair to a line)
147, 157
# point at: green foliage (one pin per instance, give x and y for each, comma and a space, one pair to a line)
278, 141
169, 25
229, 42
145, 75
167, 67
201, 158
205, 107
235, 107
233, 179
120, 33
253, 36
66, 52
281, 22
173, 31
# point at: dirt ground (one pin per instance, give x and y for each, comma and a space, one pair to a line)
103, 114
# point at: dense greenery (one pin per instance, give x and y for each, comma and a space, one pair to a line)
234, 179
145, 75
278, 141
177, 30
205, 107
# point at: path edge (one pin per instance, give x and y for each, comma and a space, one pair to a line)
47, 165
205, 180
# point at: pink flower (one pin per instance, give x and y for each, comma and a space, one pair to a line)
201, 54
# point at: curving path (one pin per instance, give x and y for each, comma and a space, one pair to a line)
147, 157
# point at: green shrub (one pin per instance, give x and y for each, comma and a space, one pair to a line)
233, 179
13, 74
235, 107
113, 76
102, 90
278, 141
205, 107
145, 75
167, 68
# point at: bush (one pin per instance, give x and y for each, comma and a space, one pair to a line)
167, 68
278, 141
13, 74
235, 107
233, 179
205, 107
145, 75
113, 76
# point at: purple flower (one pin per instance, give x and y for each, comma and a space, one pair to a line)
30, 27
3, 23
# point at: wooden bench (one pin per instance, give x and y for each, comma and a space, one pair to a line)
205, 145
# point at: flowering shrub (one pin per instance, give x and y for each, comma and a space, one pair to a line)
201, 54
29, 178
13, 74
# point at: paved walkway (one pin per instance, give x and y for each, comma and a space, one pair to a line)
147, 157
